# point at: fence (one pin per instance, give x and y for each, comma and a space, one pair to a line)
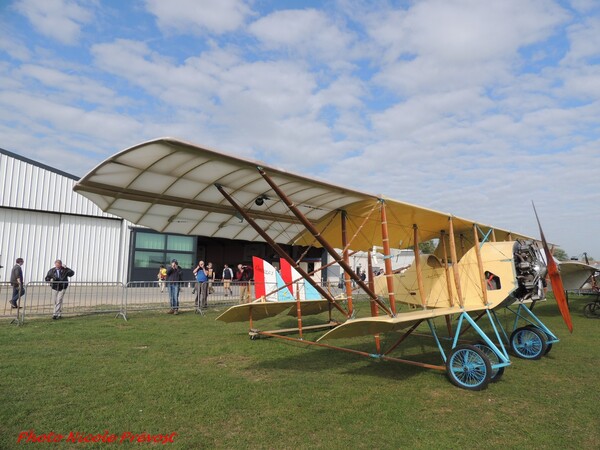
80, 298
83, 298
10, 314
148, 295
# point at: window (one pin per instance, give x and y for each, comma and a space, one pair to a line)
184, 260
153, 249
180, 243
148, 259
150, 240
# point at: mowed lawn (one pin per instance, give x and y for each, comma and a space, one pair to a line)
215, 388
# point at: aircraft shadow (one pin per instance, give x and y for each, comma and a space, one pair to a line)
322, 359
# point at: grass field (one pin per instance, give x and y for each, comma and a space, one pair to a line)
215, 388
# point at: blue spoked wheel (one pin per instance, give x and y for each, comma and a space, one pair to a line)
548, 344
496, 373
528, 343
468, 367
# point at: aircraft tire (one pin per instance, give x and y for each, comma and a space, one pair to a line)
496, 374
548, 345
592, 310
528, 343
468, 367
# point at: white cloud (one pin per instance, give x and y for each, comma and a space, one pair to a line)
584, 6
199, 16
268, 106
464, 31
71, 87
581, 83
438, 44
12, 45
344, 92
58, 19
307, 32
584, 38
281, 88
68, 118
407, 118
189, 84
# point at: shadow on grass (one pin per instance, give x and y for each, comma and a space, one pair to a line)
318, 359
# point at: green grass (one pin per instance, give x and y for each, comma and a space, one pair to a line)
216, 388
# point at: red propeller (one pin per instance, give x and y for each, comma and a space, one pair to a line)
555, 280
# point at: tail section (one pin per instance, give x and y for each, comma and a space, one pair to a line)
268, 283
302, 289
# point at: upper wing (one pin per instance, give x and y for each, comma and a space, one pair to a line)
170, 186
574, 274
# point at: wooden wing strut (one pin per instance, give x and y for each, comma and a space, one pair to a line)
310, 227
278, 249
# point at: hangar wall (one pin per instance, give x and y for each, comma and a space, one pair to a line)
42, 219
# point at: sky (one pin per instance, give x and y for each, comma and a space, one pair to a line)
475, 108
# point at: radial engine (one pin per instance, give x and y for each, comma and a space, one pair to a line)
531, 271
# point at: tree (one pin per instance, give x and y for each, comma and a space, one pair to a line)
560, 254
428, 247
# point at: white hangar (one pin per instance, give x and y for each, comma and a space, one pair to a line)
42, 219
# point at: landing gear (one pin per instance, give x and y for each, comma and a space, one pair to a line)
548, 344
592, 310
469, 368
528, 342
496, 373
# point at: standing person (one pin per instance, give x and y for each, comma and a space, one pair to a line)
174, 278
16, 281
239, 273
58, 277
201, 274
363, 275
244, 275
227, 277
162, 277
211, 277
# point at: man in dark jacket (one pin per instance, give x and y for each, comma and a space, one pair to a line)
58, 277
244, 275
174, 278
16, 281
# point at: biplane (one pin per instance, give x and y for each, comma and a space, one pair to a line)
177, 187
575, 274
582, 278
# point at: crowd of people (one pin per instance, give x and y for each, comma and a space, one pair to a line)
205, 278
169, 278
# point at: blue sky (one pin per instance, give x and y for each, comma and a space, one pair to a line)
470, 107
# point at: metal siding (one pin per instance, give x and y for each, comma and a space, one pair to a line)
96, 246
97, 249
26, 186
91, 247
6, 164
32, 236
